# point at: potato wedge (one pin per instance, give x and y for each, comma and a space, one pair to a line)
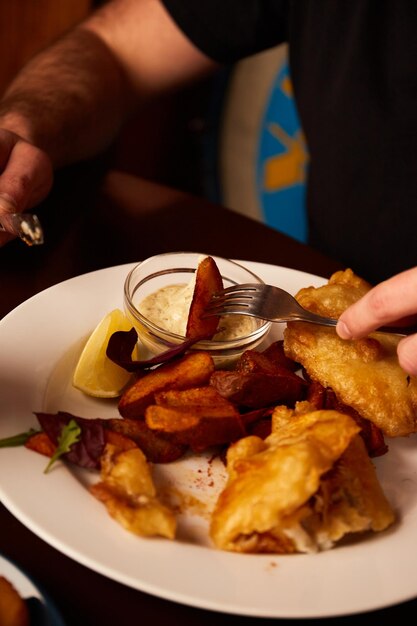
193, 429
170, 420
275, 353
208, 281
253, 361
192, 370
119, 440
208, 419
257, 389
202, 401
156, 447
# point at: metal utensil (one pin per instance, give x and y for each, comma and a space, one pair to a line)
24, 225
276, 305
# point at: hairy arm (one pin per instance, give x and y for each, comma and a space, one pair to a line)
70, 101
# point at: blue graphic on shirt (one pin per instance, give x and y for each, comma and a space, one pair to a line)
282, 161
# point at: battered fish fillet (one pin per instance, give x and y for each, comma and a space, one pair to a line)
364, 373
129, 494
301, 489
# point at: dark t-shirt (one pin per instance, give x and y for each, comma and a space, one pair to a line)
354, 70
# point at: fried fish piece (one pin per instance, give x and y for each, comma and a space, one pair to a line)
301, 489
364, 373
129, 494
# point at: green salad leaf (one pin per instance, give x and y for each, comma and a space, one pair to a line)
70, 434
17, 440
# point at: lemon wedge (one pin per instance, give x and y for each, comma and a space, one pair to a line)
95, 374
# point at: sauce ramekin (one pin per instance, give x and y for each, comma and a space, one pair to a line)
179, 267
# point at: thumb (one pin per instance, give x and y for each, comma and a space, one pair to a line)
26, 179
7, 203
7, 206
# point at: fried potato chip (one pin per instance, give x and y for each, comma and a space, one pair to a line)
156, 447
202, 401
271, 361
198, 417
192, 370
256, 389
208, 282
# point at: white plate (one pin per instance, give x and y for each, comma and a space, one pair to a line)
29, 591
39, 344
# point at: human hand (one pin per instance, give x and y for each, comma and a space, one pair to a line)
25, 177
394, 300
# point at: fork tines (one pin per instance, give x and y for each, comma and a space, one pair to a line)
232, 300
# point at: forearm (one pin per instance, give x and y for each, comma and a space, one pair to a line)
70, 100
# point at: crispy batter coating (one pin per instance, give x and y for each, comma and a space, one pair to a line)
128, 492
363, 373
301, 489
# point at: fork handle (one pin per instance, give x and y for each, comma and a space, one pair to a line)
404, 331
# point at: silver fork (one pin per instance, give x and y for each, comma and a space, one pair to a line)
275, 305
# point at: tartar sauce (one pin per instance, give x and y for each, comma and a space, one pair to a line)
168, 308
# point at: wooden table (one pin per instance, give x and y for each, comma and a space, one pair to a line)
94, 221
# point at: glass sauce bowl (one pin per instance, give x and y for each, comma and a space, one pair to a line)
176, 268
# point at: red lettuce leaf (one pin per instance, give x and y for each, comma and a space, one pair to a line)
121, 344
86, 452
